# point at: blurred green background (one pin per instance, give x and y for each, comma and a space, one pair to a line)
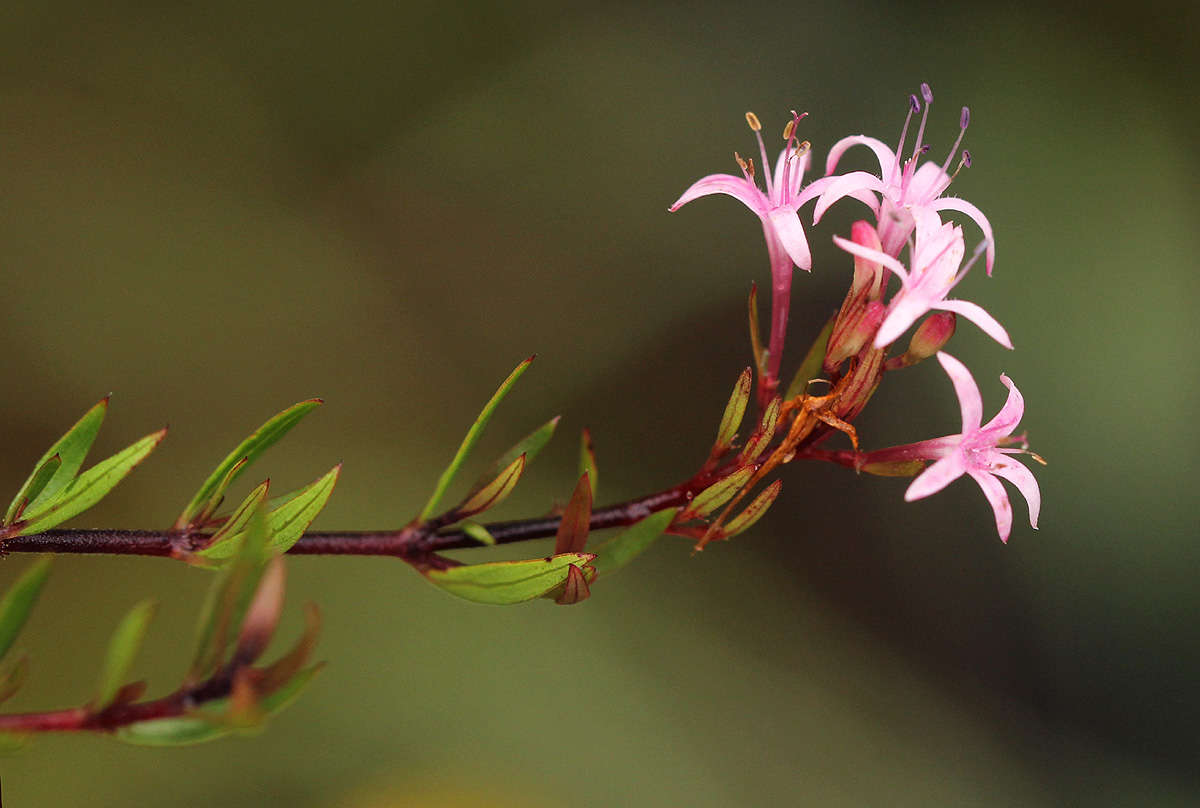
217, 210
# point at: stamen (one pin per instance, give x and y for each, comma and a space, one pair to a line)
756, 125
966, 158
747, 167
789, 131
913, 106
926, 93
980, 248
752, 119
963, 122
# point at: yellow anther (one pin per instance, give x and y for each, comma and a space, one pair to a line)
752, 119
789, 130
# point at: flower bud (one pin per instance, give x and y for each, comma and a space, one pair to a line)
930, 337
853, 332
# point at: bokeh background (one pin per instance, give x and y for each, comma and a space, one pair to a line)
216, 211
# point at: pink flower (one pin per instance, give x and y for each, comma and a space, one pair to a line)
903, 189
983, 452
935, 257
777, 206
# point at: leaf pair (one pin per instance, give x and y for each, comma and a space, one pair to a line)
55, 491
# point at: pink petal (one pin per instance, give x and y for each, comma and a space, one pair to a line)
885, 156
877, 256
935, 478
791, 234
967, 391
739, 188
997, 497
1010, 414
852, 184
903, 312
963, 206
1025, 482
981, 318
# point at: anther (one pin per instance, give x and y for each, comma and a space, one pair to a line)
753, 121
926, 93
790, 129
966, 158
914, 104
965, 120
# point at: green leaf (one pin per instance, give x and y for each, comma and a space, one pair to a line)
226, 541
18, 602
530, 446
478, 532
228, 599
122, 650
12, 679
756, 348
12, 742
572, 533
211, 723
754, 511
735, 410
587, 460
88, 488
507, 582
240, 458
718, 493
810, 368
760, 439
71, 450
575, 589
631, 542
494, 492
473, 434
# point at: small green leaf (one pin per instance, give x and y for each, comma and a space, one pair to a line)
12, 679
735, 410
631, 542
88, 488
71, 449
122, 650
530, 446
226, 541
756, 348
288, 522
718, 493
18, 602
32, 487
810, 368
572, 533
494, 492
228, 599
507, 582
754, 511
240, 458
478, 532
587, 460
473, 434
761, 437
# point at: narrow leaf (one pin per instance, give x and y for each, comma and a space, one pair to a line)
587, 460
218, 495
761, 437
530, 446
229, 598
240, 458
810, 368
122, 650
575, 589
288, 522
88, 488
494, 492
735, 410
507, 582
283, 669
71, 449
760, 357
226, 541
262, 616
478, 532
573, 529
754, 511
473, 434
18, 602
32, 487
12, 679
631, 542
718, 493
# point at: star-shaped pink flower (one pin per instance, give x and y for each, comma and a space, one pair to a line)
936, 258
983, 452
902, 188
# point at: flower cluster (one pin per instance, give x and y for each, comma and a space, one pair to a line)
928, 255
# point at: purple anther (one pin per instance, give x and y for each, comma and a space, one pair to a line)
924, 149
926, 93
965, 120
966, 158
914, 103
